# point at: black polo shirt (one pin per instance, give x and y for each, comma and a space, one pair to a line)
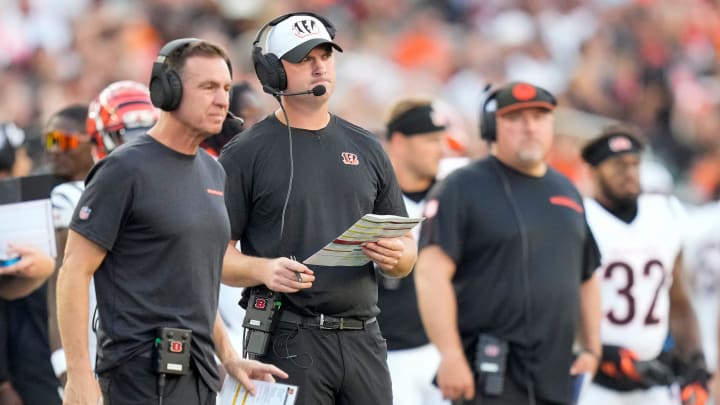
476, 226
160, 215
340, 173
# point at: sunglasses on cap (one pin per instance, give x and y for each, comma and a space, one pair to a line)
61, 140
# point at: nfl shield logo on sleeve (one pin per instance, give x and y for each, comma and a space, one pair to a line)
84, 213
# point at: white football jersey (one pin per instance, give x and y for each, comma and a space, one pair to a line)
701, 262
414, 210
702, 249
64, 197
636, 271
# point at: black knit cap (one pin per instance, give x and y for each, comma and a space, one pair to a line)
518, 95
608, 145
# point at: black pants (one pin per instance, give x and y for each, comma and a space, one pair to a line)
135, 383
28, 349
345, 367
4, 327
512, 394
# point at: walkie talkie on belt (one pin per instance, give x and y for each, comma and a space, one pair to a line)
172, 351
260, 318
491, 357
171, 354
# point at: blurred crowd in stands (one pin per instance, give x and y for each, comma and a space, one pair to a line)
649, 63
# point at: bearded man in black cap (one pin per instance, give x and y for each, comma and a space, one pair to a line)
643, 288
506, 265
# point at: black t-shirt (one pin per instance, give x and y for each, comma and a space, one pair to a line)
476, 226
340, 173
161, 217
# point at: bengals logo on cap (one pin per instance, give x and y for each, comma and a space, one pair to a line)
303, 28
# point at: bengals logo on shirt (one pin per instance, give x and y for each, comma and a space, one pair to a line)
350, 159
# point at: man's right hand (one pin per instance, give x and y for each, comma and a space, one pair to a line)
287, 275
82, 389
455, 378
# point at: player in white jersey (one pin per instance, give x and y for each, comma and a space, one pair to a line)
69, 153
644, 296
64, 197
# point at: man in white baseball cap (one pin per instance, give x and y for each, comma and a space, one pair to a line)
312, 173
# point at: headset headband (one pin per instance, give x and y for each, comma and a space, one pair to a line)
174, 45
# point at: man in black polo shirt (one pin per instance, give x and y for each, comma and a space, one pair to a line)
507, 258
152, 228
291, 191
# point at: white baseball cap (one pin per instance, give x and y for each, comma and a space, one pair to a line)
293, 38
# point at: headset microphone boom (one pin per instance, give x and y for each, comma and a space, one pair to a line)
316, 91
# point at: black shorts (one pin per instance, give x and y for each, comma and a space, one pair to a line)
135, 383
342, 367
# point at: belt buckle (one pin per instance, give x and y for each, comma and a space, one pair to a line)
330, 325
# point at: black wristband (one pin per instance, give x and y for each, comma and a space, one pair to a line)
697, 360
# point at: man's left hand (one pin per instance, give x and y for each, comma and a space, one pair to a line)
386, 253
585, 362
33, 263
244, 371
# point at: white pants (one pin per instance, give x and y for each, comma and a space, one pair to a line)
595, 394
232, 314
412, 372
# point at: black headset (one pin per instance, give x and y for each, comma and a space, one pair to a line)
487, 118
488, 126
268, 68
165, 84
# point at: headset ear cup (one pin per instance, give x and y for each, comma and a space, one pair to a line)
269, 70
166, 90
279, 71
157, 96
174, 90
262, 69
489, 131
487, 119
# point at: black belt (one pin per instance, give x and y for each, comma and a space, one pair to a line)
324, 321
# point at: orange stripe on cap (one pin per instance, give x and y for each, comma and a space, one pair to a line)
519, 105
